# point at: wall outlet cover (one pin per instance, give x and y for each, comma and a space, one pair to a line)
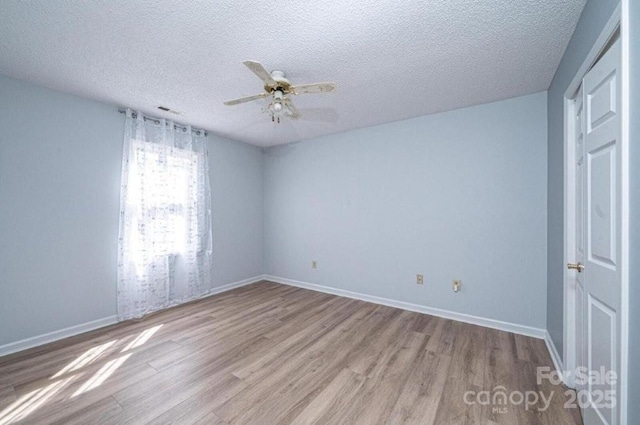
457, 285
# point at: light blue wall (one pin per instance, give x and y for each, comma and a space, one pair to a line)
237, 190
60, 162
594, 16
460, 194
634, 278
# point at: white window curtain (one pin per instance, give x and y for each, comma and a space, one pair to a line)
165, 244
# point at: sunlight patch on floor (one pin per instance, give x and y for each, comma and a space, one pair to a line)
26, 404
85, 359
142, 338
100, 376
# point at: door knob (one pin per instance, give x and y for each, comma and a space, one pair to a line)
577, 266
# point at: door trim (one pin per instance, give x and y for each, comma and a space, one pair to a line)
592, 57
624, 138
619, 20
569, 331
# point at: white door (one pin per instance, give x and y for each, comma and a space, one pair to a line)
598, 240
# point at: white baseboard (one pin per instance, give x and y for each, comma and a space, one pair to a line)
460, 317
35, 341
235, 285
555, 357
14, 347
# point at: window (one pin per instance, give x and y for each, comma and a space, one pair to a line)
163, 189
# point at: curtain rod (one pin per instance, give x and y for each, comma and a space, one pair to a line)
157, 121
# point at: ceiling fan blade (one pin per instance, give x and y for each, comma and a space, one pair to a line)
314, 88
295, 114
261, 72
245, 99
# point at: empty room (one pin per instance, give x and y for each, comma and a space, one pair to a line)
239, 212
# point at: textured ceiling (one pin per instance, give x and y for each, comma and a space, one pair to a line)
391, 59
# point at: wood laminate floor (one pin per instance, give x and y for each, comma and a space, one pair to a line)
271, 354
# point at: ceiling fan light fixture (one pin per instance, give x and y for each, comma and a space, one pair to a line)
277, 110
279, 107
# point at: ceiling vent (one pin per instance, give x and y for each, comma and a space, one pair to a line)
165, 109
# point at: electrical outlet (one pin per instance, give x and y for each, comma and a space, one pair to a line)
457, 285
314, 264
419, 279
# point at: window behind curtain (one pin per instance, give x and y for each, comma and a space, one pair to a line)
162, 190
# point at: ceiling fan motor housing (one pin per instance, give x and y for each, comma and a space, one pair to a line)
282, 84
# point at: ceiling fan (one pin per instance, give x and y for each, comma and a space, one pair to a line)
278, 87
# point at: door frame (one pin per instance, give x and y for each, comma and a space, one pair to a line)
619, 20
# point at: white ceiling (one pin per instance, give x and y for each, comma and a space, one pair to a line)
391, 59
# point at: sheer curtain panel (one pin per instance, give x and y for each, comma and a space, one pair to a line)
164, 246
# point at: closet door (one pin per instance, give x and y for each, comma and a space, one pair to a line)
601, 276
